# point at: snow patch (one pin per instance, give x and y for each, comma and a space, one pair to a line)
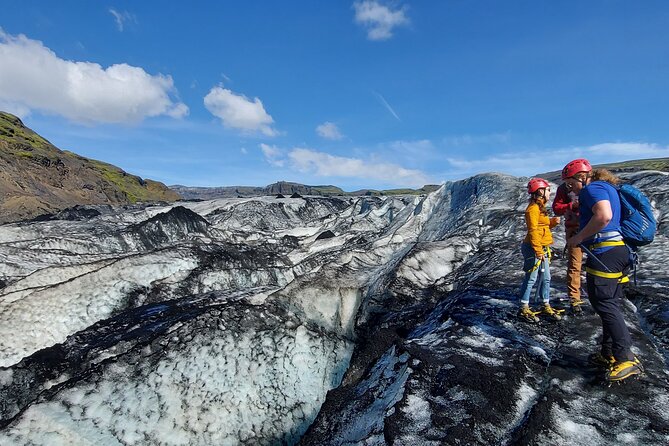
570, 431
526, 398
540, 352
6, 377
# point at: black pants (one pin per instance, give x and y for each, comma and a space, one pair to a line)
606, 298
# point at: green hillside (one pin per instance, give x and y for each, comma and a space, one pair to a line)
36, 177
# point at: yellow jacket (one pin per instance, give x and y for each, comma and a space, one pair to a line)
539, 228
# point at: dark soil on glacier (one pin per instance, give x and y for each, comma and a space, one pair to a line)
468, 391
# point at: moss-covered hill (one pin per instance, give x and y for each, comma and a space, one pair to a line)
36, 177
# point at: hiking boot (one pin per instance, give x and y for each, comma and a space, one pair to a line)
551, 313
576, 304
623, 370
601, 360
526, 314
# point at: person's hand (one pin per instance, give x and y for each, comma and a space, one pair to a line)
555, 221
574, 205
539, 257
574, 241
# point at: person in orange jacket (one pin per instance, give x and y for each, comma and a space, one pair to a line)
536, 252
566, 203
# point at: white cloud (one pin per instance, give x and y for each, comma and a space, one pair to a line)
419, 153
418, 147
34, 78
15, 108
329, 130
630, 150
534, 161
379, 20
239, 112
322, 164
244, 151
471, 140
273, 155
326, 165
122, 17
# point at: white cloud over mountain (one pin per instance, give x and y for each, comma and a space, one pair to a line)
239, 112
272, 155
33, 77
378, 19
321, 164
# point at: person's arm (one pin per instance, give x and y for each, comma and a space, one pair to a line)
562, 202
601, 216
532, 221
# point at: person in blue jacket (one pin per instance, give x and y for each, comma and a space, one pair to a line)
600, 233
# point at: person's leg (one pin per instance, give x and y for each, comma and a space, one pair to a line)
593, 296
526, 287
546, 282
530, 276
538, 292
606, 297
574, 264
550, 312
607, 341
619, 338
624, 364
575, 258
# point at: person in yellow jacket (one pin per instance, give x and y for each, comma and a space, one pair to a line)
536, 252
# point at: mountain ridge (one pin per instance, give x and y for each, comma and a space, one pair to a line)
287, 188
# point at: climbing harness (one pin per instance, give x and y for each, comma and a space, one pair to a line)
613, 238
547, 253
607, 273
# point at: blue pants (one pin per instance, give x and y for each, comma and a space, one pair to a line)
541, 274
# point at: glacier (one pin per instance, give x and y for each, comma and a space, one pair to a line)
313, 321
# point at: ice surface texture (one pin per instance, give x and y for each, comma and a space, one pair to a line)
234, 321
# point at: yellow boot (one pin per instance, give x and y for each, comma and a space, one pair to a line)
551, 313
623, 370
526, 314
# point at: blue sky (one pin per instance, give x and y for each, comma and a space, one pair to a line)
352, 93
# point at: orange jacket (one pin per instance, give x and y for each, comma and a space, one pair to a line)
539, 228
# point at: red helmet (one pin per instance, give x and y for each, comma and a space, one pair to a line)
536, 184
574, 167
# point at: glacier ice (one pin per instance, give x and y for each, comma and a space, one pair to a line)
230, 321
